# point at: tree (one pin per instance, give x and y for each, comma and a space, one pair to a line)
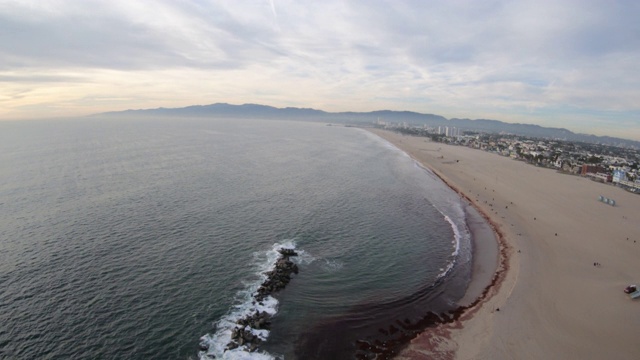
594, 160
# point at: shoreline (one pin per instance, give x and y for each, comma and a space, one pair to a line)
485, 254
547, 299
487, 242
488, 269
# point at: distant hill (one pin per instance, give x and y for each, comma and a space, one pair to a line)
256, 111
223, 110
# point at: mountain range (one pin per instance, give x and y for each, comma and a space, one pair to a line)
256, 111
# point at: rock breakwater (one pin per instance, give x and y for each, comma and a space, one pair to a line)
250, 330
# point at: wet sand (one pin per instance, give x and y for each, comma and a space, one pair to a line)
547, 300
485, 250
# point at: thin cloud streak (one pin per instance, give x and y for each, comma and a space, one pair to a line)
547, 62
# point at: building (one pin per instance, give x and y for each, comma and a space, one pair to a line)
619, 175
603, 177
591, 169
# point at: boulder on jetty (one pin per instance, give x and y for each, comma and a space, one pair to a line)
287, 252
276, 280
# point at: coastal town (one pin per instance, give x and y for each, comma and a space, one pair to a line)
607, 164
568, 256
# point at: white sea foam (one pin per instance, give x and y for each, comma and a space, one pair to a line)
303, 258
457, 237
246, 305
217, 342
332, 265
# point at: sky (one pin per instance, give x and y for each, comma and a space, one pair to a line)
572, 64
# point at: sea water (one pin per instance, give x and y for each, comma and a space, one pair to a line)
146, 238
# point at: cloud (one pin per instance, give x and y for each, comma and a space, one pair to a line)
127, 37
519, 60
35, 78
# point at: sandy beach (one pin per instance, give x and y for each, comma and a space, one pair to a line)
550, 300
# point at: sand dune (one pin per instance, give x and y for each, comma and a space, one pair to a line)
553, 302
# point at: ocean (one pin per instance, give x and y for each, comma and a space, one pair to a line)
147, 239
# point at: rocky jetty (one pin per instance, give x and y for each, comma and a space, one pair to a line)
276, 280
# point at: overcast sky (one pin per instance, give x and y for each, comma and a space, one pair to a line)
573, 64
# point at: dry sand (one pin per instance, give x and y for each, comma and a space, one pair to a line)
553, 302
